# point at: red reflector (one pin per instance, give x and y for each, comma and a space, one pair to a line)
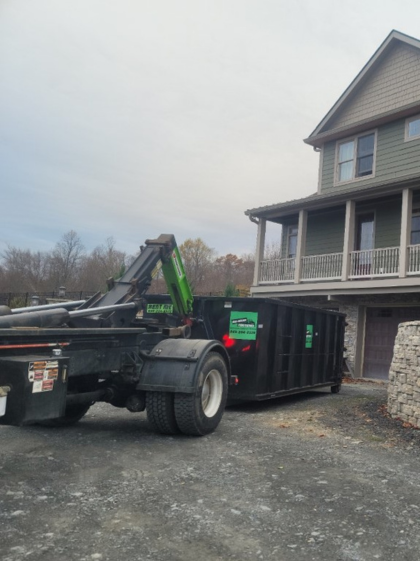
236, 381
247, 348
227, 341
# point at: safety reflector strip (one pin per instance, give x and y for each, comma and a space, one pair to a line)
34, 345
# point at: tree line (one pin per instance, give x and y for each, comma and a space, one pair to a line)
68, 264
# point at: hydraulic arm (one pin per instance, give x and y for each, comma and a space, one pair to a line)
161, 253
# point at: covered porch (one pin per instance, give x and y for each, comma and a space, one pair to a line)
326, 241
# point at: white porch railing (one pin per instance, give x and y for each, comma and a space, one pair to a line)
277, 270
322, 267
370, 263
382, 262
413, 260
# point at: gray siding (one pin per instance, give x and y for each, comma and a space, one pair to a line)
325, 230
325, 233
394, 158
393, 84
387, 222
388, 225
328, 167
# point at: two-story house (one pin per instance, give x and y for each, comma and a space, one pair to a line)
354, 245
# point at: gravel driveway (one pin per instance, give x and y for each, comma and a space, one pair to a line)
315, 476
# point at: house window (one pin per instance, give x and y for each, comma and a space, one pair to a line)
415, 228
292, 233
365, 234
412, 128
356, 157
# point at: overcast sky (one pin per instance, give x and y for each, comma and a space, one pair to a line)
131, 118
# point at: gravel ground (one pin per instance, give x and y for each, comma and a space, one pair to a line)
314, 476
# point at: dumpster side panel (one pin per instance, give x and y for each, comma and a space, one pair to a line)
275, 347
307, 349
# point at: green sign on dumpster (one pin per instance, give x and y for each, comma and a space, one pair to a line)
243, 325
309, 336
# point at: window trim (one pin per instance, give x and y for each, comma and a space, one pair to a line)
407, 123
337, 152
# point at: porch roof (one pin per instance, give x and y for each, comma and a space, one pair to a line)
315, 201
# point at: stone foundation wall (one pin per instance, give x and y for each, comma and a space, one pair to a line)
404, 375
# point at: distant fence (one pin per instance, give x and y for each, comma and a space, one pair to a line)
23, 299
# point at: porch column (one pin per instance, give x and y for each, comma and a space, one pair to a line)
300, 243
259, 254
406, 212
348, 238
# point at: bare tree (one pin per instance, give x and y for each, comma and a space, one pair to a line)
272, 250
198, 258
25, 271
66, 259
104, 262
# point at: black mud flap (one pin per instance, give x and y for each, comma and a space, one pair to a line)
174, 364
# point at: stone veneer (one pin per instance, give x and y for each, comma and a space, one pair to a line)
350, 333
404, 375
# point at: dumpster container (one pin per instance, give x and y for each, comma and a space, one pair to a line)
275, 347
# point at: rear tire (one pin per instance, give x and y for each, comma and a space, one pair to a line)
72, 416
200, 413
161, 413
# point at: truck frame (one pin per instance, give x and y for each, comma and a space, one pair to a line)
56, 361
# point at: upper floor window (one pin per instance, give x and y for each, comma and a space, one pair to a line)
356, 157
412, 128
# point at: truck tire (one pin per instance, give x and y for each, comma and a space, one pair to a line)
161, 413
200, 413
72, 416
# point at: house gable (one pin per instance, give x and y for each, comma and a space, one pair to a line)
387, 87
393, 84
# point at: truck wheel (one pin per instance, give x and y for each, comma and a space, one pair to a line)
72, 415
160, 412
199, 413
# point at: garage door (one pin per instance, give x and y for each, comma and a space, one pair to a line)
381, 329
